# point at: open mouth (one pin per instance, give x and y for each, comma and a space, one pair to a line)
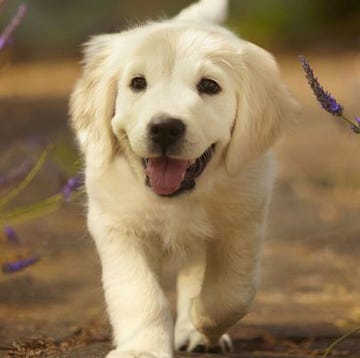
169, 177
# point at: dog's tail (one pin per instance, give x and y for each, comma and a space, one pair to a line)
212, 11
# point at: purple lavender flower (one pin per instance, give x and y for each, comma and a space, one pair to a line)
73, 184
10, 29
15, 266
327, 101
11, 234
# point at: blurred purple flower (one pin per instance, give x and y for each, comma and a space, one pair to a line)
73, 184
356, 128
10, 29
15, 266
16, 173
11, 234
327, 101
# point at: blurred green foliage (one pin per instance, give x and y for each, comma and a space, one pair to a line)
65, 155
56, 28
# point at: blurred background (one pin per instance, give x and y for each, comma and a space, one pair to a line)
54, 30
310, 282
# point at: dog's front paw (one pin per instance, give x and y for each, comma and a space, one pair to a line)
189, 339
132, 354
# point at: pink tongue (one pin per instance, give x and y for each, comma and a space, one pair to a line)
166, 174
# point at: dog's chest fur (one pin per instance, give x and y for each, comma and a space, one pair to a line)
179, 223
127, 204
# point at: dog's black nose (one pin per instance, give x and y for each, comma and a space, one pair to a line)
166, 132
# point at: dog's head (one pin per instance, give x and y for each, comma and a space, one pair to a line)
175, 96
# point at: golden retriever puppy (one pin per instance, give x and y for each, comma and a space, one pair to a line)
175, 120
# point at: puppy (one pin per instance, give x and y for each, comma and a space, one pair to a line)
175, 120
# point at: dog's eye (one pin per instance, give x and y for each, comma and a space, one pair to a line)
208, 86
138, 84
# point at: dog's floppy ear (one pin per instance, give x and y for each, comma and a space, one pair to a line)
264, 107
93, 99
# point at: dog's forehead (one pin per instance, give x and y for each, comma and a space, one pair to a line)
184, 42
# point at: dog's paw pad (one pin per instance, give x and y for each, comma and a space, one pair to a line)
197, 343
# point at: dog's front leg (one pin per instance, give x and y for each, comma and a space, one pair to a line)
138, 310
189, 284
229, 284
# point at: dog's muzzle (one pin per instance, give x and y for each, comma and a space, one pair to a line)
170, 177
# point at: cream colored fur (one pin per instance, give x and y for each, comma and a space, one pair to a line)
218, 228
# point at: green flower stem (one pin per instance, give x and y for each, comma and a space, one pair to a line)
328, 351
27, 180
350, 122
36, 210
